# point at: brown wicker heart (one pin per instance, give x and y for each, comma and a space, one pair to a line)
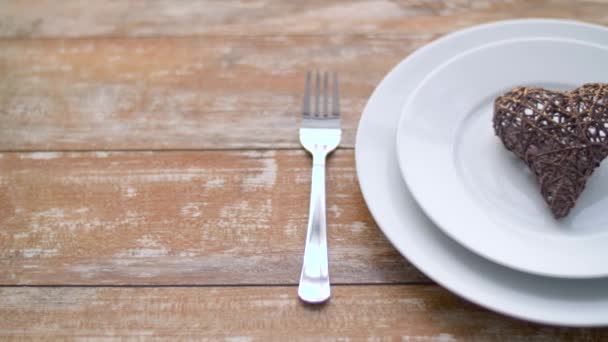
561, 136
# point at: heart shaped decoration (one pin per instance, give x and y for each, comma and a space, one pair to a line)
561, 136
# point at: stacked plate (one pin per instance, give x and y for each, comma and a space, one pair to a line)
456, 203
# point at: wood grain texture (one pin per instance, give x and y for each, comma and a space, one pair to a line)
229, 75
412, 313
216, 235
179, 93
181, 218
59, 18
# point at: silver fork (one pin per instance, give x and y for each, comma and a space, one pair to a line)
319, 134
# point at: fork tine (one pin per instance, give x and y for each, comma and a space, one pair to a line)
317, 93
335, 101
306, 101
325, 95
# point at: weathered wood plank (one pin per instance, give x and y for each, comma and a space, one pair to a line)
179, 93
59, 18
230, 91
215, 217
405, 312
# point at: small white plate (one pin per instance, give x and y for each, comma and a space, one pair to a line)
478, 192
570, 302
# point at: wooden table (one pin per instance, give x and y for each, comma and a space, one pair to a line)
152, 183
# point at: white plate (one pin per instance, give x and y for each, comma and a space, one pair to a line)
548, 300
479, 193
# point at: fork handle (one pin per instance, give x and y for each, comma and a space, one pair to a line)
314, 281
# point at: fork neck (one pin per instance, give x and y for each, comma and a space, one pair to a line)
318, 158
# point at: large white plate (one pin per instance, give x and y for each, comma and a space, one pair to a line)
478, 192
548, 300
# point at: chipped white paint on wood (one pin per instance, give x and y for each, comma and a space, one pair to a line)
39, 155
193, 92
56, 18
267, 175
171, 99
181, 218
217, 75
373, 313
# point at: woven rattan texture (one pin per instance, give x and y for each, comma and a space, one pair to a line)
561, 136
